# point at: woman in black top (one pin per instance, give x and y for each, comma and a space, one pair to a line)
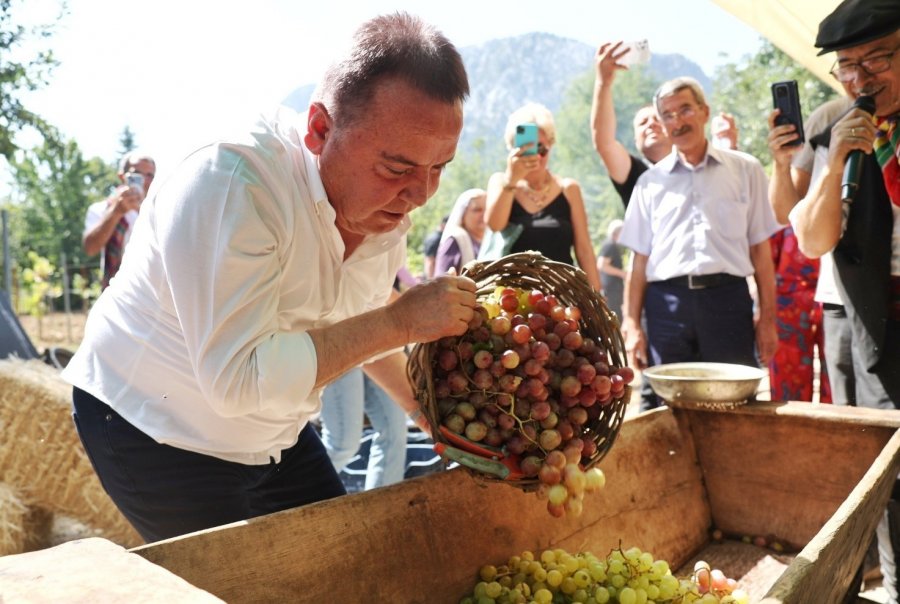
549, 207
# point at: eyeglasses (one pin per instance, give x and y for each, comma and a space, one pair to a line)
543, 149
871, 66
686, 112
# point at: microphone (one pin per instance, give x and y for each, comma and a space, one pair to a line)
853, 167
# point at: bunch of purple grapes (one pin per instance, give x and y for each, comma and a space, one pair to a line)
523, 378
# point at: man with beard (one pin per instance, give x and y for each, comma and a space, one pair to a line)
699, 223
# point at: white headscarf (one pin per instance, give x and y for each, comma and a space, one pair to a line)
455, 226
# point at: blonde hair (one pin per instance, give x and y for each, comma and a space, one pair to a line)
532, 113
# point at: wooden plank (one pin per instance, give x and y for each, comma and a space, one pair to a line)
823, 412
90, 571
824, 569
423, 540
782, 475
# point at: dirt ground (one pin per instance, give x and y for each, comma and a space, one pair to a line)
55, 329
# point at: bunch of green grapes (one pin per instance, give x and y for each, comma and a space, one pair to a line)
625, 576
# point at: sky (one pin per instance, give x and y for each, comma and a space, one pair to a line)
181, 73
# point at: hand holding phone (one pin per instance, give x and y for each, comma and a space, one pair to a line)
786, 98
638, 53
527, 134
135, 181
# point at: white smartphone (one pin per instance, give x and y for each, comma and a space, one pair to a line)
135, 181
639, 53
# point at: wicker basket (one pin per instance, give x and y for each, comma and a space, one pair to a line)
530, 270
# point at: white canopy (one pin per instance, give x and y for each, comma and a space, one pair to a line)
791, 25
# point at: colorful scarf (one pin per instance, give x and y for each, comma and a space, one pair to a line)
887, 151
112, 255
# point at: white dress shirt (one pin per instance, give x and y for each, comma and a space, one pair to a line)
200, 341
699, 220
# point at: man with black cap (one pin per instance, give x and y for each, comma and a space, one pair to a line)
861, 226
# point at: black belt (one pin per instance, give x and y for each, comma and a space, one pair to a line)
703, 281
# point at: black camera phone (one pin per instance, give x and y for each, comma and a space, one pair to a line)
786, 97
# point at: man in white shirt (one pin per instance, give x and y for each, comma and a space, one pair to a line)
699, 223
107, 224
257, 274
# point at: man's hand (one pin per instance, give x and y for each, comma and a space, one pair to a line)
124, 199
853, 132
766, 340
778, 139
635, 343
606, 60
435, 309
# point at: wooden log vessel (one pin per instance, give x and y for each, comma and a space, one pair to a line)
815, 476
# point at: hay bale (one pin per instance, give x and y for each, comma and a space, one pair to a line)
42, 457
12, 522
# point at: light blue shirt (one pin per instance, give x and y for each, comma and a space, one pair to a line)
699, 220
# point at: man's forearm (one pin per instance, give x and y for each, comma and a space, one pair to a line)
353, 341
636, 288
99, 235
764, 276
782, 194
817, 219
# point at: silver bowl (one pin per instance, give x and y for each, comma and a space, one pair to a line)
710, 385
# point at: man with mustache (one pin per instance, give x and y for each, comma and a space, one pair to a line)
649, 138
863, 231
258, 273
699, 224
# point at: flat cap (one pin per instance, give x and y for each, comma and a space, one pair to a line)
856, 22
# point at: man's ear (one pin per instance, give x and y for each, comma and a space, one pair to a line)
318, 128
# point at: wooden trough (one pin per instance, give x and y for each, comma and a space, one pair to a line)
814, 476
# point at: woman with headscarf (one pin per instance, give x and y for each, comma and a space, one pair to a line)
462, 236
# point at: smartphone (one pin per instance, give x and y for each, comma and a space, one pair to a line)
786, 97
527, 133
135, 181
638, 54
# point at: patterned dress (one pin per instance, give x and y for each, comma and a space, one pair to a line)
799, 322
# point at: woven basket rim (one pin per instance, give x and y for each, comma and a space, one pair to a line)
571, 287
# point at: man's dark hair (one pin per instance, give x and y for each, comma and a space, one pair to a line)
393, 45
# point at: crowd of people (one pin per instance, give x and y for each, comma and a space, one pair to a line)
265, 284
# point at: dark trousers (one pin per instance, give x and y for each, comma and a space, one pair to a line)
165, 491
713, 324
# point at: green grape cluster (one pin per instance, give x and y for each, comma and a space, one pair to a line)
624, 576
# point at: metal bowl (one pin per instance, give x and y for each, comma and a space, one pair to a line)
716, 385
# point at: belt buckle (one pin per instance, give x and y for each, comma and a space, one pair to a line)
691, 283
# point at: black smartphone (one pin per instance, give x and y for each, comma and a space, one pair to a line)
786, 97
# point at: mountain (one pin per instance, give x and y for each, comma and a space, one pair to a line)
506, 73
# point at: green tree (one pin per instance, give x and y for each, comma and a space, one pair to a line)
126, 142
743, 89
21, 70
53, 186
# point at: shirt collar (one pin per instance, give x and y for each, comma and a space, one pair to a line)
672, 161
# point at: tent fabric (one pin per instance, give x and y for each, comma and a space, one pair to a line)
791, 25
13, 339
